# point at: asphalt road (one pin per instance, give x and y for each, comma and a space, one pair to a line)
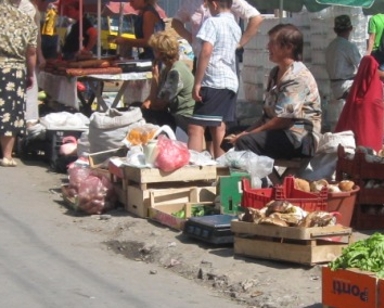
46, 262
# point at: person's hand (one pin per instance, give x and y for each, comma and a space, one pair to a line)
146, 104
233, 138
196, 93
29, 82
42, 64
117, 40
111, 39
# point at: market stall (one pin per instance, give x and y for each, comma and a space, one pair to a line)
63, 89
59, 80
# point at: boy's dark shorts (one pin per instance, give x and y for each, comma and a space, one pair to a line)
218, 105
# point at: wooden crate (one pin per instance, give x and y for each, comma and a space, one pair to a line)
145, 176
101, 172
139, 201
118, 179
121, 194
163, 214
307, 246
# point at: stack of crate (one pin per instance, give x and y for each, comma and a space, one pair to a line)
152, 187
309, 246
369, 175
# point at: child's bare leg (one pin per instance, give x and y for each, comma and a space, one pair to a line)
218, 133
196, 137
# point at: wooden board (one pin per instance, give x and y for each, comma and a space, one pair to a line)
289, 232
101, 172
99, 158
155, 175
310, 254
163, 215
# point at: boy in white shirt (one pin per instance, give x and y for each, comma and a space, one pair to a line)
216, 81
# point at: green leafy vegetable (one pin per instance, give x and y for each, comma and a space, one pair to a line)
367, 254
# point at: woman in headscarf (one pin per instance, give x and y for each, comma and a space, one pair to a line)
363, 112
147, 23
18, 42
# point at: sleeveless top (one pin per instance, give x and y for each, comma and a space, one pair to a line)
147, 54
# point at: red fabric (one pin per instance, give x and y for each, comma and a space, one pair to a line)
363, 112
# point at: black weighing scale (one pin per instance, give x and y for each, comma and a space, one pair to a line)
214, 229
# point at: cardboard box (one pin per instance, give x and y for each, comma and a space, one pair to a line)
351, 288
380, 303
139, 201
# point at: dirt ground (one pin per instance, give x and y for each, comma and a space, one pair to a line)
251, 282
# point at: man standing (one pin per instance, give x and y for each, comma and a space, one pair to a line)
342, 58
375, 40
71, 45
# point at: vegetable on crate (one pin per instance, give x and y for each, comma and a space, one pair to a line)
180, 214
196, 211
367, 254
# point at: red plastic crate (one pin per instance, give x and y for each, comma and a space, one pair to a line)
307, 201
255, 197
259, 197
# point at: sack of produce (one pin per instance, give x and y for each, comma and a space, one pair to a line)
89, 192
108, 129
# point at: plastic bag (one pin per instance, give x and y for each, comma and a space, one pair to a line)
135, 156
172, 154
140, 133
201, 158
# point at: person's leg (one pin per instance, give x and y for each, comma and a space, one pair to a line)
7, 144
32, 110
196, 137
217, 133
273, 143
208, 141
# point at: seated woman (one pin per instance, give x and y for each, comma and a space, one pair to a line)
291, 122
170, 100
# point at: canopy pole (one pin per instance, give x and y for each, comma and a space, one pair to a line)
80, 25
281, 11
99, 29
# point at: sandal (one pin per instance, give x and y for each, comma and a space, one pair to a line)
5, 162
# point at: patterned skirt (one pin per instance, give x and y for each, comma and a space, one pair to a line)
12, 102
